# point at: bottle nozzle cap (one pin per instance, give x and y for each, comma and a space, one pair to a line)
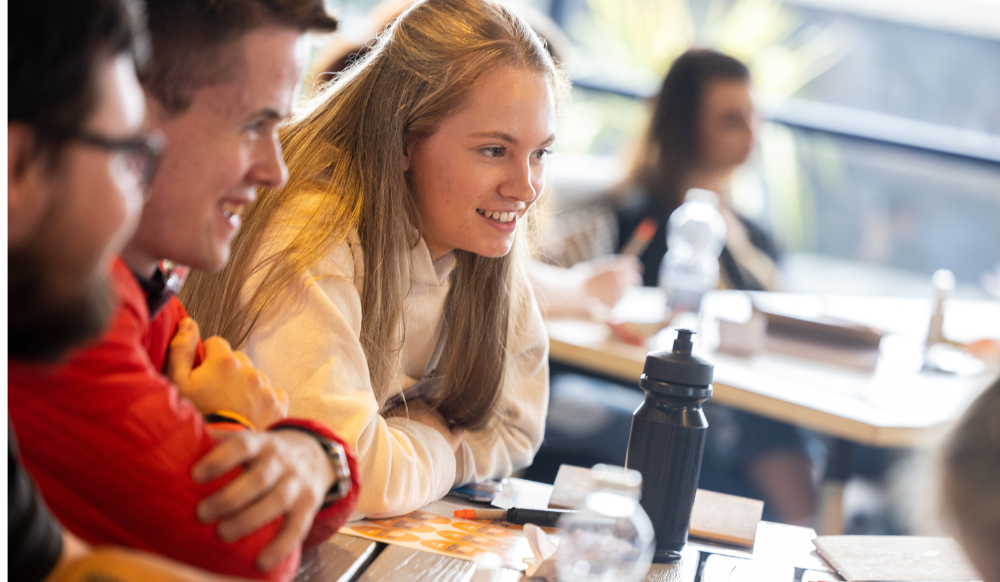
683, 343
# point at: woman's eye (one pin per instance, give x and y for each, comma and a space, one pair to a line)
493, 152
540, 154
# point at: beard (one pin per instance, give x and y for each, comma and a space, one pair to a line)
42, 326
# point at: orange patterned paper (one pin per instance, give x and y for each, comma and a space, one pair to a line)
457, 548
470, 538
430, 530
426, 516
404, 524
479, 528
392, 535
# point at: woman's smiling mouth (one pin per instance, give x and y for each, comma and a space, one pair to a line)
496, 215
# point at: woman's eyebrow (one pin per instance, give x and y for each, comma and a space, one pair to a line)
496, 134
509, 138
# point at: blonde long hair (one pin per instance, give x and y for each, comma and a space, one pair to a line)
347, 145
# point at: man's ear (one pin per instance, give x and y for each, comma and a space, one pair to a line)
26, 196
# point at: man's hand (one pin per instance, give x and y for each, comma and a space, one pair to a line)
420, 411
287, 472
225, 380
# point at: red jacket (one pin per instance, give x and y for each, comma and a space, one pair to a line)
111, 444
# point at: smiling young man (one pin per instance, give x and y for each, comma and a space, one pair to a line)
77, 156
131, 463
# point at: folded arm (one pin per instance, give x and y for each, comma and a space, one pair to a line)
309, 346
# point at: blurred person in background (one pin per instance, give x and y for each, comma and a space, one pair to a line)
970, 482
133, 462
77, 155
703, 128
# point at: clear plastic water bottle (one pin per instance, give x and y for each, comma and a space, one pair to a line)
696, 234
610, 538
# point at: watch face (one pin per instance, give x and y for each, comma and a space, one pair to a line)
341, 473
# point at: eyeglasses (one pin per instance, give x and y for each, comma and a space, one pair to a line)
142, 153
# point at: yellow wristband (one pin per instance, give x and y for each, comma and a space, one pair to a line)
232, 416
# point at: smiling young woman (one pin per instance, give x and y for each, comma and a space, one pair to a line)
392, 259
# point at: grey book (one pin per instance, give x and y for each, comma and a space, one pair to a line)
896, 559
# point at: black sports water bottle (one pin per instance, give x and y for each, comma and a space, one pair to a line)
668, 438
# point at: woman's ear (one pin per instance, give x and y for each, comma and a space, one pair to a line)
26, 196
406, 156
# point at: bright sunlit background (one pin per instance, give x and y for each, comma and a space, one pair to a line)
879, 158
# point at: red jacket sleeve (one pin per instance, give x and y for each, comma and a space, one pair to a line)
328, 520
111, 446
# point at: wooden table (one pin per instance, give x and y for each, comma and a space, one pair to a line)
783, 553
894, 406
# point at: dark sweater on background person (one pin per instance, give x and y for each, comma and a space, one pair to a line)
637, 207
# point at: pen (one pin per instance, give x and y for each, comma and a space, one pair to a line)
540, 517
641, 237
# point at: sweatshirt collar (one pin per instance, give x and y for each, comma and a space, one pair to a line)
428, 271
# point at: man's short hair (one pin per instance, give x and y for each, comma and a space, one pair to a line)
55, 47
190, 38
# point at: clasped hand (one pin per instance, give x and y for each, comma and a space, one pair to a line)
225, 380
285, 472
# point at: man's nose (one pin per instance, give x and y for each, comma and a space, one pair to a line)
268, 168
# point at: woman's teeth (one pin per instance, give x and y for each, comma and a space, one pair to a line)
498, 216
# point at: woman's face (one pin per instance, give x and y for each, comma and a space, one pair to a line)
726, 124
479, 172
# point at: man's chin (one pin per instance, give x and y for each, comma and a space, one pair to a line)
210, 263
216, 256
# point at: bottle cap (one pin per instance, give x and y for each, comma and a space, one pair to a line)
678, 366
701, 195
615, 478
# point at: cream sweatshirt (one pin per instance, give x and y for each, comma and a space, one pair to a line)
308, 345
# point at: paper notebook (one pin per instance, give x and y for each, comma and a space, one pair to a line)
716, 517
896, 558
433, 528
729, 519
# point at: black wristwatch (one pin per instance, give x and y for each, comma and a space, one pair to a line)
338, 462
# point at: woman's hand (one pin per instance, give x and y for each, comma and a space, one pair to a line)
586, 290
608, 278
419, 411
225, 380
